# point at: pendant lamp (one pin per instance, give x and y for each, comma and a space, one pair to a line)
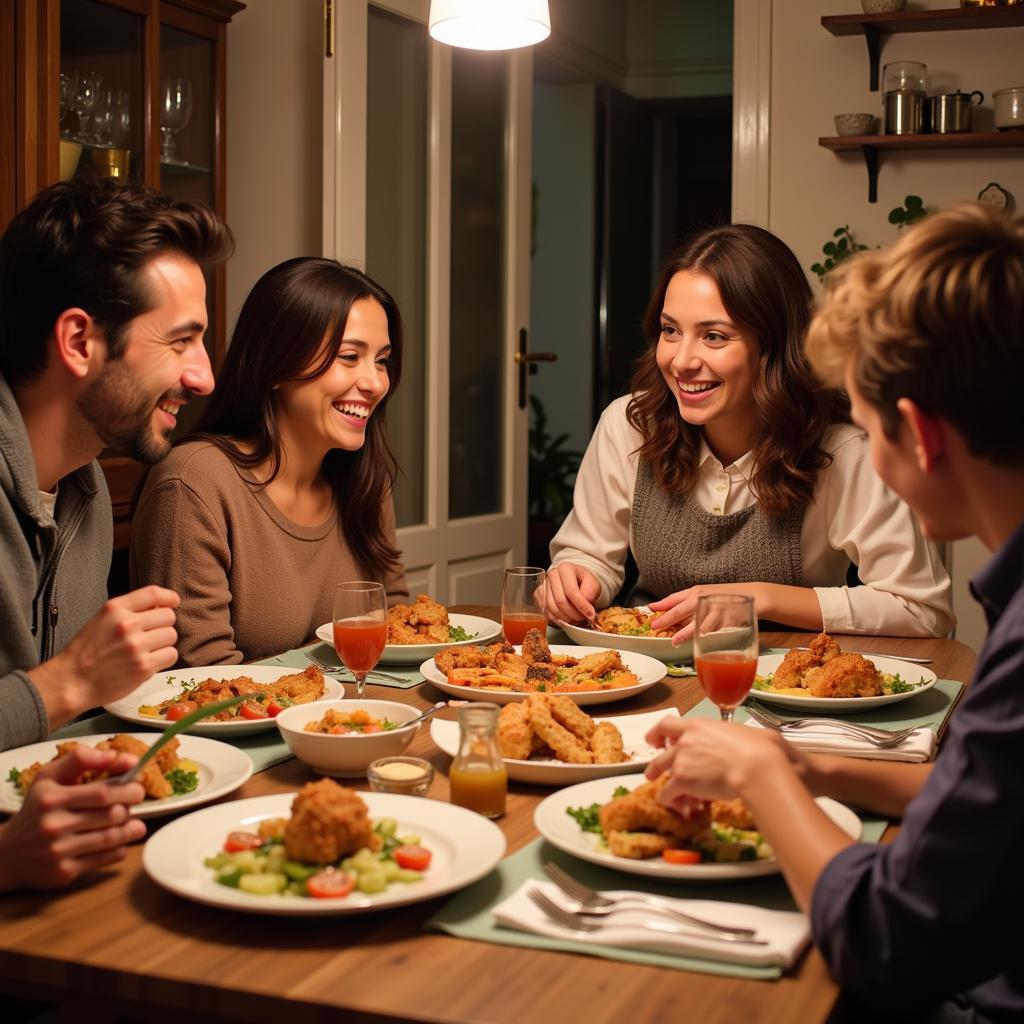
489, 24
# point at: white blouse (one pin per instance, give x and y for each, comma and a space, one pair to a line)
854, 517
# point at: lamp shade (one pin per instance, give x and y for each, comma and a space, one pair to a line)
489, 24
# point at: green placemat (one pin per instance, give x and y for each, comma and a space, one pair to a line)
929, 709
265, 748
409, 675
468, 915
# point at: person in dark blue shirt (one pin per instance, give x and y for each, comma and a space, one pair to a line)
928, 339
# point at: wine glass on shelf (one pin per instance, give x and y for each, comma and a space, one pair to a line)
360, 627
175, 112
68, 90
87, 92
522, 602
725, 649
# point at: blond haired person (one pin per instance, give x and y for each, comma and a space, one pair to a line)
928, 337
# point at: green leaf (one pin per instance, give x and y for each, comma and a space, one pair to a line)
839, 231
914, 203
896, 216
829, 248
841, 248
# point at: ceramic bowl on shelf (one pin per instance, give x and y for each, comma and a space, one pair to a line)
882, 7
854, 124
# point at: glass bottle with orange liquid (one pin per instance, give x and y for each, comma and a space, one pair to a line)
522, 602
478, 778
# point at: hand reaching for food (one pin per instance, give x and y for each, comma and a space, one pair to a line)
571, 593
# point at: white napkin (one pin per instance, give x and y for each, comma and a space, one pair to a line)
785, 932
830, 739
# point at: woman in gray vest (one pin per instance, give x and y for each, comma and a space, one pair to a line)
728, 468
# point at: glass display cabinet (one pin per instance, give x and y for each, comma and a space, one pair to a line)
131, 89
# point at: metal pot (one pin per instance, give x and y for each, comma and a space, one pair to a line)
951, 111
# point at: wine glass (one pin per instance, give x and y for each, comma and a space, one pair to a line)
522, 602
68, 89
725, 649
175, 111
360, 627
87, 91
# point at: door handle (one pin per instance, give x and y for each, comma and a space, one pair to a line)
524, 359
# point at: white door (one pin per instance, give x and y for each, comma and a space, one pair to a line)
427, 185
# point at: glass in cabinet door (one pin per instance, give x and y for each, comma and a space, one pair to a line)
100, 91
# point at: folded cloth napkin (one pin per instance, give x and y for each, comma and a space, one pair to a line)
785, 932
831, 739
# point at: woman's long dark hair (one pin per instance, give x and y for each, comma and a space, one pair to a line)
765, 293
280, 338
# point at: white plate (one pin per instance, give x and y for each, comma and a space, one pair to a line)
648, 670
659, 647
768, 663
222, 768
481, 631
562, 831
465, 847
156, 689
550, 772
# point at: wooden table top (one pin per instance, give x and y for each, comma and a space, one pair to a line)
118, 943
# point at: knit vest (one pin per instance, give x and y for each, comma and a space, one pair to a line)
678, 545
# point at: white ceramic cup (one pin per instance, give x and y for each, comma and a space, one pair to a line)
1009, 107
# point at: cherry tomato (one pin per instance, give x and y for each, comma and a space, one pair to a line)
179, 710
253, 713
331, 883
274, 709
681, 856
416, 858
339, 730
238, 841
373, 727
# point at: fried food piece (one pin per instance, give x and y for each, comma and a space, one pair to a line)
300, 687
640, 845
640, 811
566, 746
542, 673
272, 828
152, 774
423, 622
535, 647
793, 668
328, 822
629, 622
402, 633
824, 648
606, 744
599, 663
848, 675
733, 813
511, 665
515, 731
465, 657
485, 678
568, 713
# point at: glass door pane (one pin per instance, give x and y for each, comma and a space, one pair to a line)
396, 228
100, 91
477, 373
186, 112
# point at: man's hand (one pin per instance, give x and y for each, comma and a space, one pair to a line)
64, 829
129, 639
570, 593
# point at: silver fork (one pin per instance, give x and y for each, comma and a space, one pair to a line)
594, 903
569, 919
341, 670
881, 738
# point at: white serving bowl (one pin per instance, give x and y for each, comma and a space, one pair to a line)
349, 755
854, 124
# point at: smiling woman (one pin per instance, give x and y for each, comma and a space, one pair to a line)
728, 469
285, 488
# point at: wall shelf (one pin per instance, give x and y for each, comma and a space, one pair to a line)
871, 145
874, 27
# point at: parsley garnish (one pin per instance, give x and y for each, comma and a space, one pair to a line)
458, 633
182, 781
14, 776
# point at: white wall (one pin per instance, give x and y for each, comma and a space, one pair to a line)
274, 99
815, 75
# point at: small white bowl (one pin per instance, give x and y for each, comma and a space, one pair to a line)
347, 756
854, 124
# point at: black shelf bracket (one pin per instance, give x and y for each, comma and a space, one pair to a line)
871, 161
874, 40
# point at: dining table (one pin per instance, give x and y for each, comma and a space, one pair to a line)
117, 946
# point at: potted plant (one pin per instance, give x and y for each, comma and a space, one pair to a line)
551, 477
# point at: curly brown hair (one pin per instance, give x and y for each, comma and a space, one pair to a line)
87, 243
767, 295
